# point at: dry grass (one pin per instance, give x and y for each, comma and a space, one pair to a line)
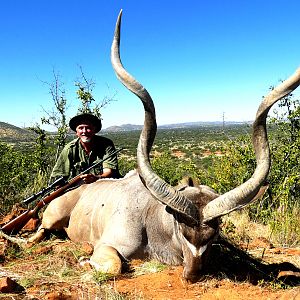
238, 226
54, 266
282, 231
55, 262
262, 241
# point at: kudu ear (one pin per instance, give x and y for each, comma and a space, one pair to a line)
187, 182
180, 217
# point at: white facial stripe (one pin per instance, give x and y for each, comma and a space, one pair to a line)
196, 252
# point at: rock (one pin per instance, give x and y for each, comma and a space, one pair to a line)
261, 242
87, 248
32, 224
7, 285
60, 296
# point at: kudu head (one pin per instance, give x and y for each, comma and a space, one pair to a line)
197, 209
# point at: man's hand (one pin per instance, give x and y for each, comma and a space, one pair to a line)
89, 178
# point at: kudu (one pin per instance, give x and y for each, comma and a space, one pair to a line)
142, 216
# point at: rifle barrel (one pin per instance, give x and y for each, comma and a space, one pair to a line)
100, 161
43, 191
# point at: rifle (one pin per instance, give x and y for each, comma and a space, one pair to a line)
57, 182
15, 225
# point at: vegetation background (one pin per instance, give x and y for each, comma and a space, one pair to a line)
221, 157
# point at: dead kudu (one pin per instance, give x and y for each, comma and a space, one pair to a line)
140, 215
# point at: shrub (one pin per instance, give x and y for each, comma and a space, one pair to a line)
19, 175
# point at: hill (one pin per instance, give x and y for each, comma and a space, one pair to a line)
131, 127
124, 127
11, 133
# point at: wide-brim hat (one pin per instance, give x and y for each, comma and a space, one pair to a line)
82, 118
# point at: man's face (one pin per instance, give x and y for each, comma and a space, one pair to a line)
85, 132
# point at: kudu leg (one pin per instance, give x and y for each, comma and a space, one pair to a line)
38, 236
106, 259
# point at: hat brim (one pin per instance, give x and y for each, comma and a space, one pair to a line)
82, 118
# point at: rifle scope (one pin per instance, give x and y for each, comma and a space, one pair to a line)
44, 191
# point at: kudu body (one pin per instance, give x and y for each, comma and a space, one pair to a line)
140, 215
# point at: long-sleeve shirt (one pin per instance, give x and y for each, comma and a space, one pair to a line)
73, 159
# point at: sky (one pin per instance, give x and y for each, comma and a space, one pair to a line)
199, 60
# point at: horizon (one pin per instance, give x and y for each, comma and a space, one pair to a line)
191, 124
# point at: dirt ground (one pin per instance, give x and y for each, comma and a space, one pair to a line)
241, 277
52, 270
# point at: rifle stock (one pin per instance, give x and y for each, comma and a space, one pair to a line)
15, 225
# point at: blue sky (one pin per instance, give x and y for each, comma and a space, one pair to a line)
198, 59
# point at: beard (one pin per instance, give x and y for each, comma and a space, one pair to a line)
85, 139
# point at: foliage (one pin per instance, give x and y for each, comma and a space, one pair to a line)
17, 169
84, 93
57, 117
285, 148
126, 164
42, 153
173, 169
279, 207
285, 173
234, 167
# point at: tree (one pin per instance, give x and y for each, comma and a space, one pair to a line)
280, 206
84, 92
284, 194
57, 117
41, 153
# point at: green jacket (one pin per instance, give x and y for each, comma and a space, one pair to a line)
73, 159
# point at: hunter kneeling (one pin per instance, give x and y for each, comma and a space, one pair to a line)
84, 160
88, 148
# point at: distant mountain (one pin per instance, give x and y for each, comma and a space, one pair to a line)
125, 127
131, 127
11, 133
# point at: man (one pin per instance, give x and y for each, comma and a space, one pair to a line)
82, 152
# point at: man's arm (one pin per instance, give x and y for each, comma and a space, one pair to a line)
89, 178
62, 166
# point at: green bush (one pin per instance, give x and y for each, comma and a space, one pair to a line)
19, 172
173, 169
279, 208
234, 167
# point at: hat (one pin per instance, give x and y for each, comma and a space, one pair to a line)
80, 119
